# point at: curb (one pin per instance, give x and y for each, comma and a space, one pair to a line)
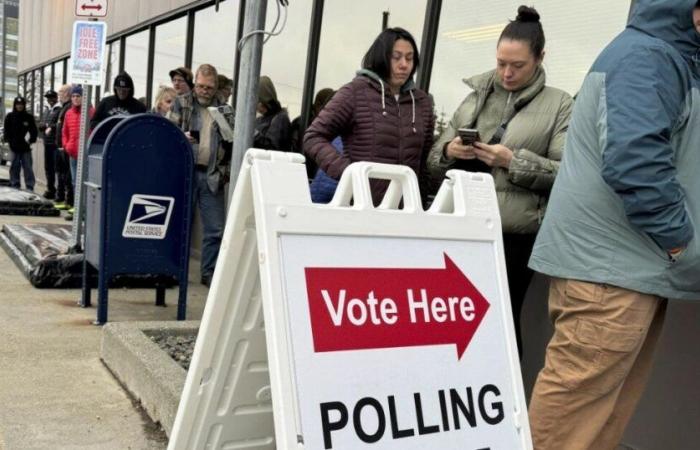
144, 369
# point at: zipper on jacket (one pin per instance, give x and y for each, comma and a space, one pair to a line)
398, 109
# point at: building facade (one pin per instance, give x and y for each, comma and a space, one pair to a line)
9, 22
321, 45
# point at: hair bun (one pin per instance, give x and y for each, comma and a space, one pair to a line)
527, 14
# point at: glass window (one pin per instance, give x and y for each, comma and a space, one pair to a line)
284, 56
38, 99
48, 81
169, 51
135, 64
58, 75
341, 20
466, 43
223, 25
112, 67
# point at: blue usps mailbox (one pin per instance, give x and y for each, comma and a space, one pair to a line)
138, 205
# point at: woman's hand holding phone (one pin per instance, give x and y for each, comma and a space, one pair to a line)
455, 149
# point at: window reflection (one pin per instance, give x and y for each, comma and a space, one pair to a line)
136, 49
37, 100
47, 79
169, 52
112, 67
284, 56
343, 28
58, 75
468, 33
221, 51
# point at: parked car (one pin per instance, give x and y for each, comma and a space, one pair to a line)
5, 155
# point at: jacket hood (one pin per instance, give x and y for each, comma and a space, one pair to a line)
124, 80
409, 85
266, 91
487, 80
670, 21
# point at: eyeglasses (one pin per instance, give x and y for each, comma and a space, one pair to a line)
204, 87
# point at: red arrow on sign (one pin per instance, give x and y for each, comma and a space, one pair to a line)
97, 7
371, 308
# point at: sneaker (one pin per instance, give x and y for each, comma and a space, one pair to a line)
68, 217
49, 195
62, 206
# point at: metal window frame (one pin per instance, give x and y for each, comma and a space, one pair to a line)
189, 38
149, 65
237, 59
53, 76
431, 24
312, 50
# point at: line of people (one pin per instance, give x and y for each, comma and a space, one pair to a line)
618, 237
600, 195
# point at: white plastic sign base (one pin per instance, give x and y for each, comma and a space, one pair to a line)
349, 326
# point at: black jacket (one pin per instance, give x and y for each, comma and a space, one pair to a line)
17, 125
111, 105
59, 123
50, 121
272, 132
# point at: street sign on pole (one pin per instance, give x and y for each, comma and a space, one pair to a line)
87, 52
91, 8
385, 327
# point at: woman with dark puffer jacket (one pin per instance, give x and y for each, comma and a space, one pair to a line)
380, 116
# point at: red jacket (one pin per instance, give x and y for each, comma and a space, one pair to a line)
389, 131
70, 134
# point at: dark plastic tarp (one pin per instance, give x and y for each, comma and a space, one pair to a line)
25, 203
41, 251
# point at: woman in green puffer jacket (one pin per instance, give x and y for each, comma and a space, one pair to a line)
522, 125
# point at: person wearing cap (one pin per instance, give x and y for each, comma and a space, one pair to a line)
122, 102
212, 155
19, 123
71, 132
182, 80
47, 127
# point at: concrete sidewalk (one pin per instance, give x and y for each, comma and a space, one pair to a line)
55, 393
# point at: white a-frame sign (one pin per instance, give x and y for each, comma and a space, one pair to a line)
350, 326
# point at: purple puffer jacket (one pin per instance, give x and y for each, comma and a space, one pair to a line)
374, 127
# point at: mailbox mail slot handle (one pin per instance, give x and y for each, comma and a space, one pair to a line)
92, 185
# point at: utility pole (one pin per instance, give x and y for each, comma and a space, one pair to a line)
248, 79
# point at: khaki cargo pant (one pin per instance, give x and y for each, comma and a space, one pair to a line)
596, 365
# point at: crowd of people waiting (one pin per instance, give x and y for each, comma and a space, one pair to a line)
617, 238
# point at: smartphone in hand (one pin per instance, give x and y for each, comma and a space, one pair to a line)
469, 135
195, 135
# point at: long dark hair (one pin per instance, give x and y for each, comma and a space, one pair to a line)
378, 57
526, 27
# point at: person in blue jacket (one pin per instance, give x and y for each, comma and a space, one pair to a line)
619, 237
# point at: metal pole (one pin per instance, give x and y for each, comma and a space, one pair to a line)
311, 62
77, 232
248, 79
